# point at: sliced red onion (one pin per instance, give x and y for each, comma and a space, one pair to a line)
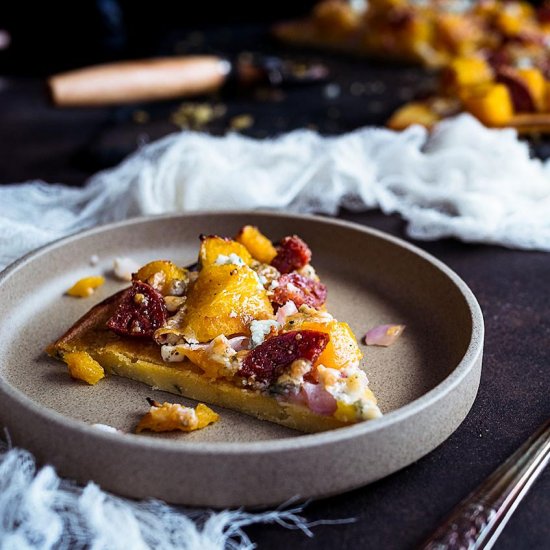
294, 398
286, 311
319, 400
238, 343
383, 335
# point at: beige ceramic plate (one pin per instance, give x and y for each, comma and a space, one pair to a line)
426, 382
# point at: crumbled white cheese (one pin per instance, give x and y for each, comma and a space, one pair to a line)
524, 63
327, 377
259, 279
157, 280
105, 428
286, 311
232, 259
294, 376
292, 288
188, 416
124, 267
260, 329
171, 353
177, 287
219, 351
174, 303
267, 274
350, 387
458, 6
94, 260
308, 271
347, 389
306, 314
358, 6
274, 284
220, 348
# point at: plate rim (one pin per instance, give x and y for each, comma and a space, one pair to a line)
301, 441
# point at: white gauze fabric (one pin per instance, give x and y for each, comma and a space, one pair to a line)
40, 511
463, 181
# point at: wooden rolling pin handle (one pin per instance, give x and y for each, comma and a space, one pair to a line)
143, 80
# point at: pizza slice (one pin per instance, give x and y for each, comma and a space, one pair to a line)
247, 330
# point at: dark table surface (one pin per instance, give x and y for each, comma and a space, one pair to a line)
67, 146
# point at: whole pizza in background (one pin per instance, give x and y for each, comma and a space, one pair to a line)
494, 56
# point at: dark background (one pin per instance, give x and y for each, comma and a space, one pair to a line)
38, 141
54, 36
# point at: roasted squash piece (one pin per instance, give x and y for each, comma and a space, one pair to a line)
162, 275
257, 244
415, 112
213, 358
82, 366
342, 349
463, 72
170, 417
454, 34
85, 287
534, 80
511, 19
520, 94
224, 300
212, 247
205, 416
491, 104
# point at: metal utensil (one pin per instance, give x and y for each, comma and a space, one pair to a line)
479, 519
